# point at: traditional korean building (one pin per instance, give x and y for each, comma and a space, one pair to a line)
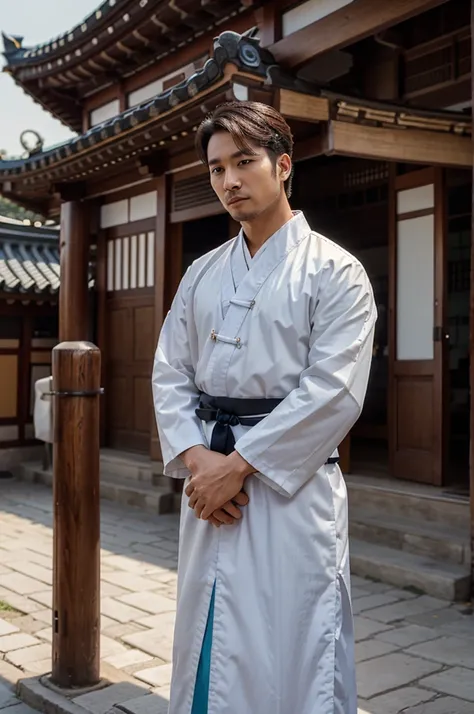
379, 98
29, 284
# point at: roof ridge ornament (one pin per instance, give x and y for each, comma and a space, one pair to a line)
11, 43
31, 149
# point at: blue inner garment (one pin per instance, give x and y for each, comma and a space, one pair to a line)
201, 690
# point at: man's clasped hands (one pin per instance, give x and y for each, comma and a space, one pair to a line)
215, 489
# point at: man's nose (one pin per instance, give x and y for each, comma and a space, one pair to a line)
231, 181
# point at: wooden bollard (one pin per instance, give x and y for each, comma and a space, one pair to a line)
76, 493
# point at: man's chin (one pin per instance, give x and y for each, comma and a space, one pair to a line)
241, 215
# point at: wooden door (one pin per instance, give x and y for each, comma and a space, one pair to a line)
418, 334
130, 348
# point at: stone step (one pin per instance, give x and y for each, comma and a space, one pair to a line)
133, 467
446, 581
418, 537
145, 495
397, 499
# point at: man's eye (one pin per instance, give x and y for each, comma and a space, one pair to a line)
217, 170
246, 161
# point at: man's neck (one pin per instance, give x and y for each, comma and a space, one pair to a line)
261, 228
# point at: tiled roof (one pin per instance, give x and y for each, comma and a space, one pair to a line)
230, 47
29, 258
116, 40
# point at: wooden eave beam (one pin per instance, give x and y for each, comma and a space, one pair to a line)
415, 146
303, 107
346, 26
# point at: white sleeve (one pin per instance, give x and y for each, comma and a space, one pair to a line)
175, 395
296, 439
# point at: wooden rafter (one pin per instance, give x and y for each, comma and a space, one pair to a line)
350, 24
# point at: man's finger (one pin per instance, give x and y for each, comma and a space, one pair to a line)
241, 499
199, 508
189, 489
232, 510
213, 521
223, 517
193, 499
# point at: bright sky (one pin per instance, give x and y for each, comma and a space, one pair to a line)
37, 21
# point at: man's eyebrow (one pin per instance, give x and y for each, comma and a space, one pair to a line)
235, 155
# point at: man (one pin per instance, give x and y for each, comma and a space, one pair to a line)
260, 371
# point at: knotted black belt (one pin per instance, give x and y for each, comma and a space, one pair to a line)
228, 412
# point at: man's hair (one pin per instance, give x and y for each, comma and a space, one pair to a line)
249, 124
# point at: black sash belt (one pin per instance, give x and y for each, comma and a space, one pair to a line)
228, 412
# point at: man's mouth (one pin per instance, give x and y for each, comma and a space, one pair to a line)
235, 200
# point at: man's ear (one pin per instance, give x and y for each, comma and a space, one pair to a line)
284, 166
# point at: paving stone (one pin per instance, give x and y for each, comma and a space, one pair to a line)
19, 708
121, 562
34, 570
401, 594
119, 611
146, 704
17, 641
443, 705
45, 616
156, 676
6, 628
104, 699
153, 642
29, 655
408, 635
110, 647
153, 603
390, 671
21, 584
111, 590
396, 702
20, 602
41, 666
460, 628
372, 648
456, 681
446, 650
118, 631
165, 621
403, 610
45, 598
162, 700
358, 592
46, 634
28, 624
370, 601
128, 658
106, 622
365, 628
10, 674
437, 618
7, 697
129, 581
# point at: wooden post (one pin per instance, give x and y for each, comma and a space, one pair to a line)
76, 555
74, 257
471, 351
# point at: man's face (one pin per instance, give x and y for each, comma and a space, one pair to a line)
246, 184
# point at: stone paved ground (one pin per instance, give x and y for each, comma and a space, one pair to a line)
415, 654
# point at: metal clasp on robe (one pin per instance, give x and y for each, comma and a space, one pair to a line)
236, 341
247, 304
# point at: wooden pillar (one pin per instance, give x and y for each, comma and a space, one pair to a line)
74, 257
76, 497
471, 350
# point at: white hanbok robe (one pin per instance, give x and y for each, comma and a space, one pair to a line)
304, 311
